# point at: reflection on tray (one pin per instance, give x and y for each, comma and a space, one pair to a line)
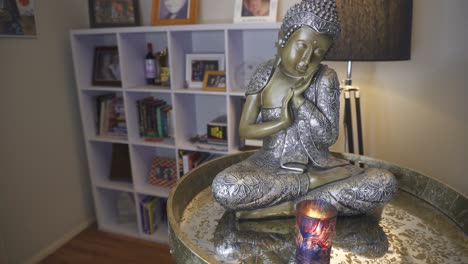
272, 241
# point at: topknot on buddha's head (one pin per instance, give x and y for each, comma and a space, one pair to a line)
320, 15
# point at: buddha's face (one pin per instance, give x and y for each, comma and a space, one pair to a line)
303, 52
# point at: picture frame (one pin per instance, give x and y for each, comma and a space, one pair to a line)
255, 11
214, 81
106, 67
174, 12
114, 13
18, 18
197, 64
162, 172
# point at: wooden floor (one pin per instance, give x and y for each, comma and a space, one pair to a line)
94, 246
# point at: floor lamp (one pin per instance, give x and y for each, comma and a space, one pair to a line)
371, 30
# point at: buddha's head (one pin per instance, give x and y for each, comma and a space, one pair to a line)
308, 30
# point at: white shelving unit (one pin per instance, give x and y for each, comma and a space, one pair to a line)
244, 46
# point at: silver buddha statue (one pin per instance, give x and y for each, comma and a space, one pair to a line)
298, 100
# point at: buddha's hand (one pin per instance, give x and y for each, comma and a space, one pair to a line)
299, 88
286, 114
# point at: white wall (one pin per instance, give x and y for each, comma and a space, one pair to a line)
44, 183
414, 111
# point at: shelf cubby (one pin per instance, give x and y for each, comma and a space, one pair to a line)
133, 118
193, 112
187, 42
133, 47
142, 157
83, 48
108, 212
100, 161
161, 233
89, 110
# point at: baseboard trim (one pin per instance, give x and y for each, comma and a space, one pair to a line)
60, 242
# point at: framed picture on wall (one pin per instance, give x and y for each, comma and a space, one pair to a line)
251, 11
113, 13
106, 69
197, 64
17, 18
174, 12
214, 81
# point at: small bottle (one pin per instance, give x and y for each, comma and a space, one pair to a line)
163, 59
150, 67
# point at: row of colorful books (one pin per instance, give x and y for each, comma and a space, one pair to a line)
153, 213
110, 116
153, 118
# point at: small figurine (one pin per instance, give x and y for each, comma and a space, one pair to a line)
298, 100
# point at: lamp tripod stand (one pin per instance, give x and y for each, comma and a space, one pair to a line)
349, 89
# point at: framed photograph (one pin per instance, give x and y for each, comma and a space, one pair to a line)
106, 70
174, 12
214, 81
163, 172
251, 11
17, 18
114, 13
197, 64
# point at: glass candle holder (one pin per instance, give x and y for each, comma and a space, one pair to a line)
315, 228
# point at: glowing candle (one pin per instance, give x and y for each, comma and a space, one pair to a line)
315, 228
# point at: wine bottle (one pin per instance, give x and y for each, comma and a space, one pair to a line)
150, 67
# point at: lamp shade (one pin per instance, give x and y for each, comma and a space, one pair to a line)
373, 30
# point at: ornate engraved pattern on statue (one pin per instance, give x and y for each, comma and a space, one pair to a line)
324, 119
242, 188
260, 77
358, 194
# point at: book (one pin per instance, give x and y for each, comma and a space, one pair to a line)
159, 122
120, 169
152, 213
189, 160
110, 116
153, 121
204, 157
144, 215
222, 142
207, 146
153, 209
99, 103
116, 117
165, 120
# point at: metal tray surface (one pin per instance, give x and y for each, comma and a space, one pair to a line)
406, 230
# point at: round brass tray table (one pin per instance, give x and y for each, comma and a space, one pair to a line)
426, 222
